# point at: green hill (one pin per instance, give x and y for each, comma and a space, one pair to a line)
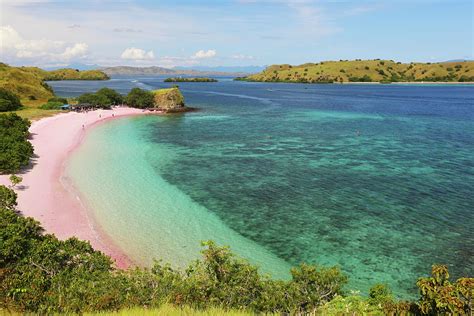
28, 82
367, 71
74, 74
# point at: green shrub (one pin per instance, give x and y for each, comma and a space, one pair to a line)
51, 105
7, 198
98, 100
113, 96
139, 98
8, 101
441, 297
15, 149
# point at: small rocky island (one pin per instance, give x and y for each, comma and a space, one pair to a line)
184, 79
169, 100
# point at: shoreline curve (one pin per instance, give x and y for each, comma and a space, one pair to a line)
48, 196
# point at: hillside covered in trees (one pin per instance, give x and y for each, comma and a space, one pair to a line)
384, 71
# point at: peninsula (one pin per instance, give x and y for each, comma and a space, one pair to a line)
383, 71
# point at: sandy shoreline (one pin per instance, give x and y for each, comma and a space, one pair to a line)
47, 196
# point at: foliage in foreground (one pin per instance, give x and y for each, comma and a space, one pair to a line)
8, 101
15, 149
39, 273
170, 310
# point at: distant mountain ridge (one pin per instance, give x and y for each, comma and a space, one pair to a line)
156, 70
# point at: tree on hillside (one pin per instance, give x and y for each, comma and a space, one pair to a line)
139, 98
8, 101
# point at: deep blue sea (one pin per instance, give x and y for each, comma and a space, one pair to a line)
378, 179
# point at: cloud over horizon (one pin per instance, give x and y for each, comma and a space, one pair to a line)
137, 54
205, 54
13, 44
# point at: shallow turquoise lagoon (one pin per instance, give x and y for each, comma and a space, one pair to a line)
376, 179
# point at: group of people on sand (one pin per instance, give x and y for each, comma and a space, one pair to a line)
100, 116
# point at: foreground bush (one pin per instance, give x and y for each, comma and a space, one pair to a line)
41, 274
8, 101
441, 297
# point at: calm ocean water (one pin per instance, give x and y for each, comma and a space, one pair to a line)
378, 179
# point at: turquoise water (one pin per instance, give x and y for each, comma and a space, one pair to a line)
376, 179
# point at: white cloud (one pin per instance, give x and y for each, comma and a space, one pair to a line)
13, 44
241, 56
137, 54
79, 49
205, 54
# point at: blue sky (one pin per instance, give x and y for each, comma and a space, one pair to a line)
233, 32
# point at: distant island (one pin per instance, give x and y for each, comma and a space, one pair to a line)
184, 79
378, 71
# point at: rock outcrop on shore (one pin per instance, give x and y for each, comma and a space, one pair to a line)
169, 100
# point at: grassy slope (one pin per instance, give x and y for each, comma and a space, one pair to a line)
170, 310
341, 71
28, 83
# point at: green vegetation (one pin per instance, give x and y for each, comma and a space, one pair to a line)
97, 100
103, 98
25, 82
184, 79
139, 98
41, 274
51, 105
75, 74
35, 113
28, 84
440, 296
367, 71
113, 96
15, 180
8, 101
170, 310
15, 149
54, 103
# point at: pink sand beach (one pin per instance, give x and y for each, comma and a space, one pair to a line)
45, 197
